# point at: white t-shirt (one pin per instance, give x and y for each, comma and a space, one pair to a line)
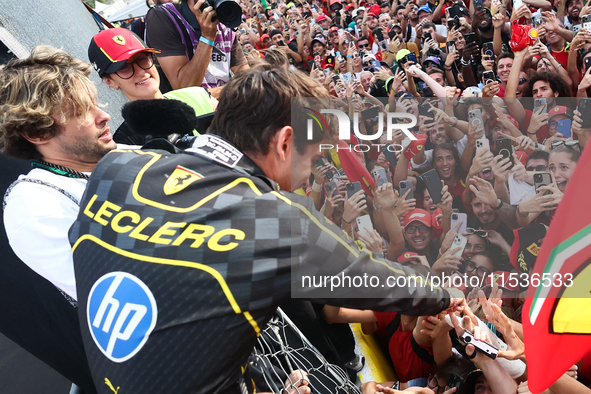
37, 218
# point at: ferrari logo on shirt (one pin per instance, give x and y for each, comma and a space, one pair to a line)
180, 178
533, 249
119, 39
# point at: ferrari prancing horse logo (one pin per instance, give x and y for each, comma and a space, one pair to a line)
180, 178
119, 39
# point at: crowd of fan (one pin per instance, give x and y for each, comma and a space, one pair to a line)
448, 63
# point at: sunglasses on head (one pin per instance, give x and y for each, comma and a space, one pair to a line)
480, 233
571, 144
541, 167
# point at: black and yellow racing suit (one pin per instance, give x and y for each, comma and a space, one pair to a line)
181, 260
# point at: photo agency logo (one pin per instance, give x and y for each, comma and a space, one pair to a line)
394, 121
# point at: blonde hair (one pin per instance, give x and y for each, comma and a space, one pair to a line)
38, 94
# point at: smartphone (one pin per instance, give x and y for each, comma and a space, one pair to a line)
329, 187
488, 77
332, 175
478, 4
459, 242
517, 4
586, 22
363, 222
370, 113
451, 46
563, 127
404, 186
352, 188
391, 34
459, 217
482, 144
454, 381
376, 64
424, 110
427, 36
433, 183
505, 149
484, 347
542, 179
321, 162
379, 175
587, 63
576, 29
336, 79
470, 37
487, 47
540, 103
584, 108
390, 154
411, 57
475, 118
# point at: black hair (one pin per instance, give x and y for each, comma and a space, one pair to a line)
557, 84
539, 154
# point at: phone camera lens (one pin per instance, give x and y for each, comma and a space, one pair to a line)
467, 339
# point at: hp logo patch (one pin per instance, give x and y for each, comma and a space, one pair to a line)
121, 313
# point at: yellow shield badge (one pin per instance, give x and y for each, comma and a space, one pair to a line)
180, 178
119, 39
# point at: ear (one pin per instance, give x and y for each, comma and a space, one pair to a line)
110, 83
35, 140
283, 143
555, 94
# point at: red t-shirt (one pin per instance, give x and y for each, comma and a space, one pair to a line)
407, 363
542, 133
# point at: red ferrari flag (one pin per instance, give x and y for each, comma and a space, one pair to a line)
557, 312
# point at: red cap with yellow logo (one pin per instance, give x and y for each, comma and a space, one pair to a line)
111, 48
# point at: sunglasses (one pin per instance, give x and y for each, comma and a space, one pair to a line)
539, 168
363, 46
145, 61
412, 229
571, 144
480, 271
522, 81
480, 233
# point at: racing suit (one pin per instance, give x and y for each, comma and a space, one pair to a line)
181, 259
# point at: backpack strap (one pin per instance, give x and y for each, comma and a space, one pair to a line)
185, 37
39, 182
421, 351
392, 327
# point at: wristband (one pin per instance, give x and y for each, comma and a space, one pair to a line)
346, 222
520, 214
350, 57
316, 187
455, 122
446, 217
465, 63
581, 90
534, 133
448, 69
206, 41
377, 207
498, 206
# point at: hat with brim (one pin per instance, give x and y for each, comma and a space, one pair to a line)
321, 18
424, 8
469, 384
433, 59
110, 49
560, 110
417, 215
319, 40
401, 54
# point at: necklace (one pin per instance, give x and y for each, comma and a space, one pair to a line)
59, 170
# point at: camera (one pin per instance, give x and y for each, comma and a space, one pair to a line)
228, 12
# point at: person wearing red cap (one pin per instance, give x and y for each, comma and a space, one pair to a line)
370, 22
323, 21
196, 49
418, 234
125, 63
